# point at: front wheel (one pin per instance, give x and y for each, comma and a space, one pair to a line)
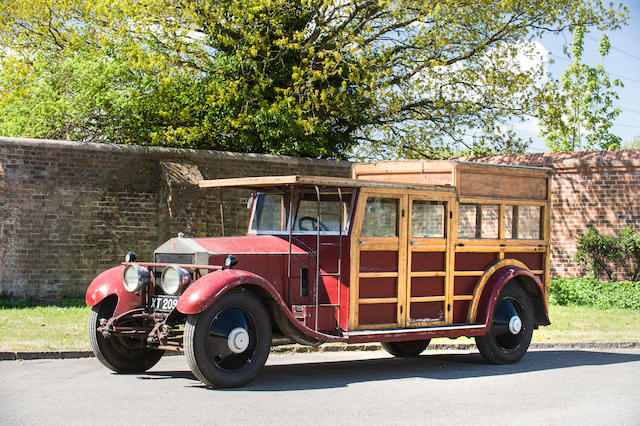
115, 352
228, 344
409, 348
511, 328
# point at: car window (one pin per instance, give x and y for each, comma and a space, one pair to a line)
380, 217
331, 211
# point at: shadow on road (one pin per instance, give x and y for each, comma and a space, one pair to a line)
326, 375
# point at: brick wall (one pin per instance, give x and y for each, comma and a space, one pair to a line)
598, 188
70, 210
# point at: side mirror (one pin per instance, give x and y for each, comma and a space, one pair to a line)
250, 201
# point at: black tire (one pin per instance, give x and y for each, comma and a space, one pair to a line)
502, 345
112, 352
208, 346
411, 348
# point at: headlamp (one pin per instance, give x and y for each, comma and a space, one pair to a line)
135, 277
174, 279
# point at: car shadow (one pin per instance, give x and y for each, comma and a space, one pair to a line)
336, 374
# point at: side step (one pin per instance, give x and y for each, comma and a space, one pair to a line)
391, 334
443, 329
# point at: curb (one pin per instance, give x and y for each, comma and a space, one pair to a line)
337, 347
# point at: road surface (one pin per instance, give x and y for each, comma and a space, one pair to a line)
547, 387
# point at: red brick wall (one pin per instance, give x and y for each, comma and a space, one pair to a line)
598, 188
70, 210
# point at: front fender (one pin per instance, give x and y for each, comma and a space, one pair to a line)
495, 283
203, 293
110, 283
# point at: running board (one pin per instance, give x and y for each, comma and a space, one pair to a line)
404, 331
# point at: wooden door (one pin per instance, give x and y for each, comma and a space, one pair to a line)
428, 261
378, 262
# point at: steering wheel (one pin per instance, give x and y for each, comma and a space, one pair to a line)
314, 224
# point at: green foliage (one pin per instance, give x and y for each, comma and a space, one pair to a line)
300, 77
629, 241
634, 143
578, 111
595, 293
597, 251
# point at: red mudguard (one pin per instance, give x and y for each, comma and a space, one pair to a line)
495, 284
110, 282
200, 295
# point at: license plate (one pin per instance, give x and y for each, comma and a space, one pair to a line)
164, 303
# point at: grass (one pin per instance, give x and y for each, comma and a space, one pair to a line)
24, 327
43, 328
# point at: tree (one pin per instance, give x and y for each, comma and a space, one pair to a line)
579, 112
633, 143
368, 78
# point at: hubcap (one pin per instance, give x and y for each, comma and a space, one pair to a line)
238, 340
507, 325
515, 324
232, 339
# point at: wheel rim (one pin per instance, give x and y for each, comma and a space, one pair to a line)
232, 338
507, 327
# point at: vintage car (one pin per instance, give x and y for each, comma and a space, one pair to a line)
403, 252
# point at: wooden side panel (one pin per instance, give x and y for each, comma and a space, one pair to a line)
534, 261
428, 261
460, 311
378, 287
464, 285
466, 261
427, 286
426, 312
474, 184
410, 172
376, 314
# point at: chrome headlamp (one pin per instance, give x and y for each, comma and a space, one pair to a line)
174, 279
135, 277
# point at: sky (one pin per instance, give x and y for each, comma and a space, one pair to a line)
622, 62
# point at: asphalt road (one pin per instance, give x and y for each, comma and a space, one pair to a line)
547, 387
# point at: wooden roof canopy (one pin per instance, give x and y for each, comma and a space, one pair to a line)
270, 181
469, 179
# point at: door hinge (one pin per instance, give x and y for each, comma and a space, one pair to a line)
450, 214
402, 212
401, 309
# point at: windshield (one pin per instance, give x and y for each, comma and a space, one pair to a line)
271, 213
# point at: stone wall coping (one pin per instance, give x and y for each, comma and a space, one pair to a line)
568, 160
169, 152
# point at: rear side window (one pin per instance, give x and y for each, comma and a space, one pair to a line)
523, 222
478, 221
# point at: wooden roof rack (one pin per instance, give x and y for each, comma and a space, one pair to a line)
470, 179
270, 181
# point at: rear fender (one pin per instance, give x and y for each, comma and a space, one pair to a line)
110, 283
494, 280
204, 292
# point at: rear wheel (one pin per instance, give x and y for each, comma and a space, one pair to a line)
115, 352
228, 344
511, 328
409, 348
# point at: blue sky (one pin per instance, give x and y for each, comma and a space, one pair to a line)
623, 62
